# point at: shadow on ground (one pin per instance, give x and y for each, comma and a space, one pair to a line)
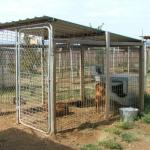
15, 139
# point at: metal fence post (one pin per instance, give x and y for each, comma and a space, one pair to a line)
42, 69
141, 78
52, 90
71, 63
145, 66
82, 74
107, 105
128, 60
17, 76
2, 70
113, 57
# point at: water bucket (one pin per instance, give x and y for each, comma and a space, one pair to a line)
128, 114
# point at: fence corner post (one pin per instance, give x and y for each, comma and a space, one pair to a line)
107, 105
17, 75
52, 86
141, 78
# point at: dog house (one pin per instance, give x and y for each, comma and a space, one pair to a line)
69, 75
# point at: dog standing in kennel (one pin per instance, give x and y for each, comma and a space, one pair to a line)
100, 96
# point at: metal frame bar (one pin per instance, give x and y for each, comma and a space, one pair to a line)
82, 74
85, 43
71, 63
95, 42
128, 60
107, 105
141, 78
18, 92
52, 80
17, 77
42, 67
145, 66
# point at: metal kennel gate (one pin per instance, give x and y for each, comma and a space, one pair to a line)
33, 82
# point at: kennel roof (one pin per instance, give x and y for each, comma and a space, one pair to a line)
66, 30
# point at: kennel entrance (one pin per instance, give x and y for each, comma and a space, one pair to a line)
34, 77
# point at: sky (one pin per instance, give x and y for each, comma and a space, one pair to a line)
127, 17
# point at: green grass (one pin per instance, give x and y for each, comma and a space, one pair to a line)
111, 144
67, 94
147, 104
125, 125
128, 137
73, 94
89, 92
91, 147
146, 118
113, 130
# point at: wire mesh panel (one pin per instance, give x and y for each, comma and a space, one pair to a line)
81, 84
77, 104
33, 72
124, 69
94, 75
67, 87
7, 72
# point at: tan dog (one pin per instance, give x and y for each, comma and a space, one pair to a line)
100, 95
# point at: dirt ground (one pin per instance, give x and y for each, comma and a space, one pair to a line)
19, 137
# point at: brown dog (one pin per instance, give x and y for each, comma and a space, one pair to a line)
62, 109
100, 95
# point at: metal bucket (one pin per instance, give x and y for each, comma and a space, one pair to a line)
128, 114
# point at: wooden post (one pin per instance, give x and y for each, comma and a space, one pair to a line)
141, 78
82, 74
107, 105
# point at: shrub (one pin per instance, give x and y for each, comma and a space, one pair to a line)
146, 104
128, 137
91, 147
113, 130
110, 144
146, 118
125, 125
